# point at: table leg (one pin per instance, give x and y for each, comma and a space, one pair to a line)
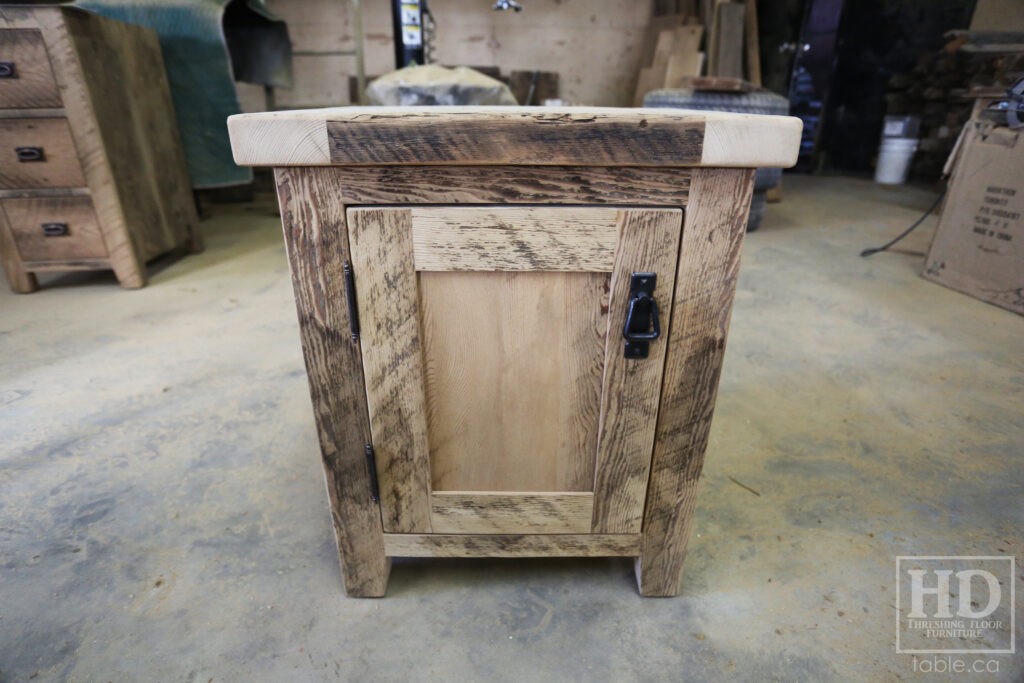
713, 231
317, 242
21, 280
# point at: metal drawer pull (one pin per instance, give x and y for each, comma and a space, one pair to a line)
642, 325
30, 154
55, 229
7, 70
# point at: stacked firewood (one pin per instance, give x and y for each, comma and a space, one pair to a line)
944, 87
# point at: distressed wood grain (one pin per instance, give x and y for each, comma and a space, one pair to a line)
45, 192
122, 247
34, 85
487, 512
648, 242
481, 135
389, 317
517, 136
59, 167
512, 185
518, 545
43, 113
69, 264
725, 52
136, 125
507, 239
26, 217
705, 284
317, 243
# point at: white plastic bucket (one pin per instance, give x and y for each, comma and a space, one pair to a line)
894, 160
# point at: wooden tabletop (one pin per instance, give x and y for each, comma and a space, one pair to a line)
522, 136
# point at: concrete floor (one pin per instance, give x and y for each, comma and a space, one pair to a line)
163, 515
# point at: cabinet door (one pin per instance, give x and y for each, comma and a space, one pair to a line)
500, 393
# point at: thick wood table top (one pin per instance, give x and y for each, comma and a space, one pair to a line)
526, 136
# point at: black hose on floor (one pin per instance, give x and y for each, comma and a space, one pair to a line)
885, 247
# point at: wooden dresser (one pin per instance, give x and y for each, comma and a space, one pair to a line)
513, 319
92, 174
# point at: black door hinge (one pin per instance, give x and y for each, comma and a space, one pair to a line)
371, 466
350, 295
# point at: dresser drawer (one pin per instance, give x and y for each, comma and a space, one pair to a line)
26, 79
38, 153
54, 228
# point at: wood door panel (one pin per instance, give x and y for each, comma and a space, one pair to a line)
503, 238
513, 378
493, 362
485, 512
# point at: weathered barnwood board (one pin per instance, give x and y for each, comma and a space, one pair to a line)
514, 239
389, 320
32, 85
25, 216
122, 248
725, 54
487, 512
648, 242
622, 185
528, 136
517, 545
59, 166
705, 284
148, 168
520, 137
317, 242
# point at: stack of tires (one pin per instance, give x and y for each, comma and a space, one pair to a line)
760, 102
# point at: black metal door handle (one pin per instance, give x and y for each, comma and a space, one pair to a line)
642, 305
642, 325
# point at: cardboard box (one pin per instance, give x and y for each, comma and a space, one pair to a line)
978, 247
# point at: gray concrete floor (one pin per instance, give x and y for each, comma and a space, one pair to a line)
163, 516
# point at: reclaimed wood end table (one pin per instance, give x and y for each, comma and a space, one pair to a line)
92, 168
513, 320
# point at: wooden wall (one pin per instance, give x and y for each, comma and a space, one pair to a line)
594, 45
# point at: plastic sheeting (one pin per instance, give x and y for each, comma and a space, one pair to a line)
205, 45
437, 85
